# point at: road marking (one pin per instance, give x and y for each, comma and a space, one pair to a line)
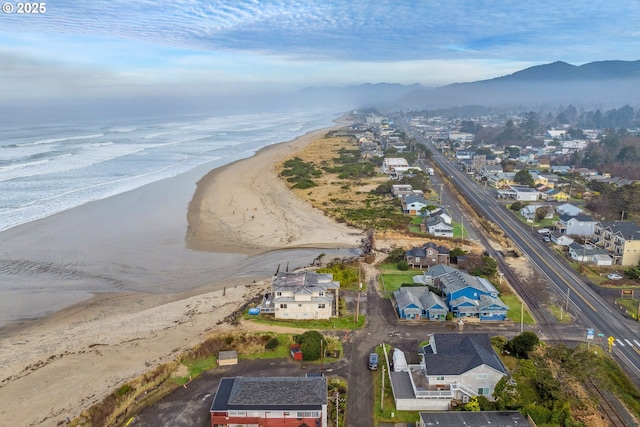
637, 343
628, 342
621, 343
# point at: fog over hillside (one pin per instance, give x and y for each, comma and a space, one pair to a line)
596, 85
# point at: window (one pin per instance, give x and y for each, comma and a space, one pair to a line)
321, 293
483, 391
321, 306
283, 305
299, 305
441, 378
482, 376
279, 294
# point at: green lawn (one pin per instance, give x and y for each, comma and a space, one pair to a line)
393, 281
515, 310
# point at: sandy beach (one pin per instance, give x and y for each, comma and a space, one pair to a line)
54, 367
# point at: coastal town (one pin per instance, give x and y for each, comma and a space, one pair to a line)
444, 288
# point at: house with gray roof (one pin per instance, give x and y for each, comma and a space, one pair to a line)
579, 225
427, 255
434, 272
452, 367
438, 227
413, 204
413, 303
473, 418
621, 239
302, 295
589, 254
282, 401
471, 296
568, 209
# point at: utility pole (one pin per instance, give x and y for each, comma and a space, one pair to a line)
337, 396
359, 290
382, 390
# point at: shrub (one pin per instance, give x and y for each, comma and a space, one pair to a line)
403, 265
272, 343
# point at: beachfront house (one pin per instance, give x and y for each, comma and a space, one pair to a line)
579, 225
270, 401
302, 295
471, 296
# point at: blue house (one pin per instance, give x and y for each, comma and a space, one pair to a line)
471, 296
419, 303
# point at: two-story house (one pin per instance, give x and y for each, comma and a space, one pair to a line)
621, 239
452, 367
270, 401
471, 296
579, 225
413, 204
427, 255
302, 295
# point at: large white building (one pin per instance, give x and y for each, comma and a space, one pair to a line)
302, 295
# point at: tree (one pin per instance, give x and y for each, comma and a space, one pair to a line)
541, 214
523, 177
507, 395
311, 344
473, 405
522, 344
489, 266
396, 255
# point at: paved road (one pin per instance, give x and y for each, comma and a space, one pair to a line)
584, 300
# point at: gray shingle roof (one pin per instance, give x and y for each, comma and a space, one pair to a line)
455, 354
628, 230
270, 392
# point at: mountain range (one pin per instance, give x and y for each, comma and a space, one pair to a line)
602, 84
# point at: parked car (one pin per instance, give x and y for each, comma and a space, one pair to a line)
373, 361
546, 239
614, 276
544, 231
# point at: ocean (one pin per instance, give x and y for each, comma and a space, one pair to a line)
99, 207
46, 169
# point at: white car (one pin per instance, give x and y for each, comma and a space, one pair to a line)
614, 276
544, 231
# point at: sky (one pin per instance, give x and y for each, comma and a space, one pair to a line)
196, 48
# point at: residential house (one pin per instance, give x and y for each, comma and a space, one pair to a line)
579, 225
471, 296
560, 239
501, 179
302, 295
413, 204
402, 190
568, 209
453, 367
438, 212
523, 194
529, 211
270, 402
473, 418
414, 303
427, 255
557, 195
389, 164
562, 170
621, 239
588, 254
438, 227
433, 273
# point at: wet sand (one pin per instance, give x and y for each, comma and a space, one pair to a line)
142, 297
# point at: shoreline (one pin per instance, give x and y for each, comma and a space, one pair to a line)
76, 356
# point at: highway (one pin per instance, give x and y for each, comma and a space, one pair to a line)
584, 303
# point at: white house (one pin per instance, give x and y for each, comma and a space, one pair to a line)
302, 295
589, 254
568, 209
529, 211
452, 367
